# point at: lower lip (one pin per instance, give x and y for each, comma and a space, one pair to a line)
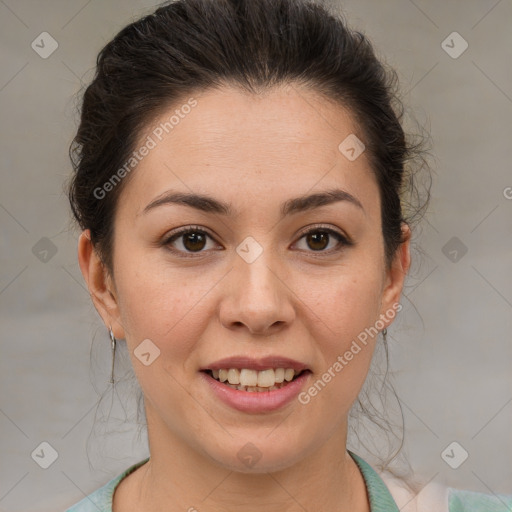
257, 401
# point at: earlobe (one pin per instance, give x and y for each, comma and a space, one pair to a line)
99, 284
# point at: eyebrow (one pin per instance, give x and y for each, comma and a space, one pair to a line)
210, 205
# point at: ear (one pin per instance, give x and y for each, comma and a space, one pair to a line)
100, 284
395, 277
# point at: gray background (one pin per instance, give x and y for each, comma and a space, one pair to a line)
451, 347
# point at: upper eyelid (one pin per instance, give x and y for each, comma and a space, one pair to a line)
321, 227
185, 230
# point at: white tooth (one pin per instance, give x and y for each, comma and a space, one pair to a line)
252, 389
248, 377
271, 388
223, 375
279, 375
215, 374
266, 378
234, 376
262, 389
240, 387
289, 373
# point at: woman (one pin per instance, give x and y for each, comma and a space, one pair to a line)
240, 172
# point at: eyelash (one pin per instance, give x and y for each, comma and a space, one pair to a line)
342, 240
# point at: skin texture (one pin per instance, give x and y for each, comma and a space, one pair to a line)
254, 152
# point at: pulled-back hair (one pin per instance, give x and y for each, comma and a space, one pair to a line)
193, 45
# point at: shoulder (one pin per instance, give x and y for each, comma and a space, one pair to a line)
440, 498
461, 501
101, 499
98, 501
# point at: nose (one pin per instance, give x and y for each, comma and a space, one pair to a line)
257, 298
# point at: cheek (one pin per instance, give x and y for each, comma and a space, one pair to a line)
164, 307
345, 301
347, 306
338, 380
168, 318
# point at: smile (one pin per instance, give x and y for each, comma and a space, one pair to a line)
246, 379
256, 399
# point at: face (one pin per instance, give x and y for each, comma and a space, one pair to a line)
263, 275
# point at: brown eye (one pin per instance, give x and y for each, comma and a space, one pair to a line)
194, 241
317, 240
190, 240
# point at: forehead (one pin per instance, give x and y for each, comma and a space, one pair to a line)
279, 118
281, 141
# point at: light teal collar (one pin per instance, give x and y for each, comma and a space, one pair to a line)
378, 494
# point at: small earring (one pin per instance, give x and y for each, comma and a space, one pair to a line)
385, 333
113, 345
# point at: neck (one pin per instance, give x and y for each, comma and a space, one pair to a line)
180, 477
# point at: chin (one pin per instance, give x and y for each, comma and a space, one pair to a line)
258, 457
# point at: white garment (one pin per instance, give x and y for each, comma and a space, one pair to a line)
432, 498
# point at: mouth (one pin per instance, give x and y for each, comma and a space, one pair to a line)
255, 381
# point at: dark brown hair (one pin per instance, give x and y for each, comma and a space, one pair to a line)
188, 46
193, 45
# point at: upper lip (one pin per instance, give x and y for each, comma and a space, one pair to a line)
259, 364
